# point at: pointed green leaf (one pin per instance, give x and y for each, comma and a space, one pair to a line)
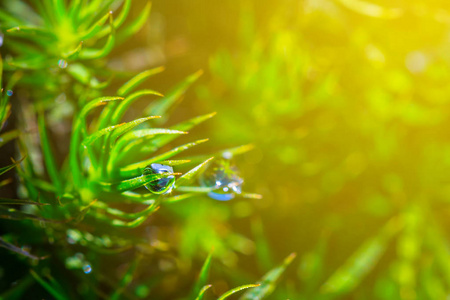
137, 23
177, 198
49, 157
118, 20
37, 34
94, 29
123, 106
73, 54
7, 201
139, 167
237, 289
96, 135
174, 162
203, 276
268, 282
160, 141
137, 80
135, 138
162, 106
133, 183
9, 167
130, 125
79, 129
88, 53
54, 292
187, 177
202, 292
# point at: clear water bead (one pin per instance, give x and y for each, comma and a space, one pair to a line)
163, 185
224, 179
9, 93
87, 268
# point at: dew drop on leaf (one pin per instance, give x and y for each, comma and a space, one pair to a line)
87, 268
224, 178
165, 184
9, 93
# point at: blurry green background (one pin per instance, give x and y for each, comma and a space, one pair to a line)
348, 104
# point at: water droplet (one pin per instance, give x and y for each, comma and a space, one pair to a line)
87, 268
163, 185
62, 63
224, 178
227, 155
9, 93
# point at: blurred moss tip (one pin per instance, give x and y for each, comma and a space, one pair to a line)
197, 74
290, 258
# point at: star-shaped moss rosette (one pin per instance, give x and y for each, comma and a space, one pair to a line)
56, 33
108, 157
61, 44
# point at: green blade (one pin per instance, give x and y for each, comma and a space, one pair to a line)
202, 292
163, 105
203, 276
90, 53
137, 24
188, 177
137, 80
7, 201
123, 106
138, 167
235, 290
133, 183
49, 157
118, 21
131, 142
268, 282
52, 290
94, 29
9, 167
96, 135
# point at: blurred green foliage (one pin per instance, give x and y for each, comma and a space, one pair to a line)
347, 103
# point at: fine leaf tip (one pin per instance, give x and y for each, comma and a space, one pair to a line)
290, 258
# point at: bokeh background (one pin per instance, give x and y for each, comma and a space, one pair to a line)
347, 103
